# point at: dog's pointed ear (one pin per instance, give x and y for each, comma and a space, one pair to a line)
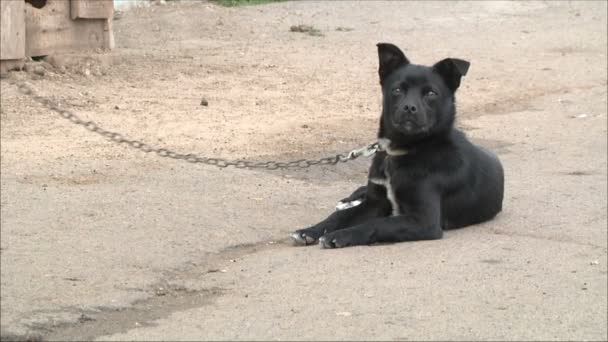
452, 70
390, 58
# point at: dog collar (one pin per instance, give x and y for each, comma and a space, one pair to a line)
385, 146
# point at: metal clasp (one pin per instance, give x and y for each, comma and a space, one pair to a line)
366, 151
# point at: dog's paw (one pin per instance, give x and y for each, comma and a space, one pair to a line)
330, 242
347, 205
357, 195
300, 238
326, 243
346, 238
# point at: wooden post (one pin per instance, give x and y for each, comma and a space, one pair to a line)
12, 35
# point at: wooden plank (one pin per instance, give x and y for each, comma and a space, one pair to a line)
91, 9
51, 29
12, 30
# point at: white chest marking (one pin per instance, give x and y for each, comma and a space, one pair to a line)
390, 193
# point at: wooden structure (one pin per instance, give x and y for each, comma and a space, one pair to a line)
30, 28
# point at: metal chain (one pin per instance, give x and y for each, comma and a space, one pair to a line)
118, 138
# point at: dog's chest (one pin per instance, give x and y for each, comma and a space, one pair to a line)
382, 177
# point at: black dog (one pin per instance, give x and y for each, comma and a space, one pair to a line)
427, 176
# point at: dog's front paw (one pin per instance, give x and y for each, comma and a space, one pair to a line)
325, 243
347, 205
304, 237
347, 237
353, 200
333, 240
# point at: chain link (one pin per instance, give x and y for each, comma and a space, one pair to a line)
118, 138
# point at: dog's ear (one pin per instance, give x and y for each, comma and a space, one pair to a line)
390, 58
452, 70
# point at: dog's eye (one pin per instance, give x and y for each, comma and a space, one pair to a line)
430, 93
396, 90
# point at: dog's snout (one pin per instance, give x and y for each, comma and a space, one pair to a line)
411, 108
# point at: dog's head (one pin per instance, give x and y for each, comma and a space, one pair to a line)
418, 101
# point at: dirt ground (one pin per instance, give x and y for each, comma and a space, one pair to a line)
100, 241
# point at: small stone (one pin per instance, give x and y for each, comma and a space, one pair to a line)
39, 70
594, 262
116, 107
344, 314
204, 102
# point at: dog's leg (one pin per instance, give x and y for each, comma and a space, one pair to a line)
420, 223
383, 229
374, 204
337, 220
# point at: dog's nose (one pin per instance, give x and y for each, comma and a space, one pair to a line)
410, 108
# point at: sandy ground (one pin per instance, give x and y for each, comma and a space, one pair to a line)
104, 242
